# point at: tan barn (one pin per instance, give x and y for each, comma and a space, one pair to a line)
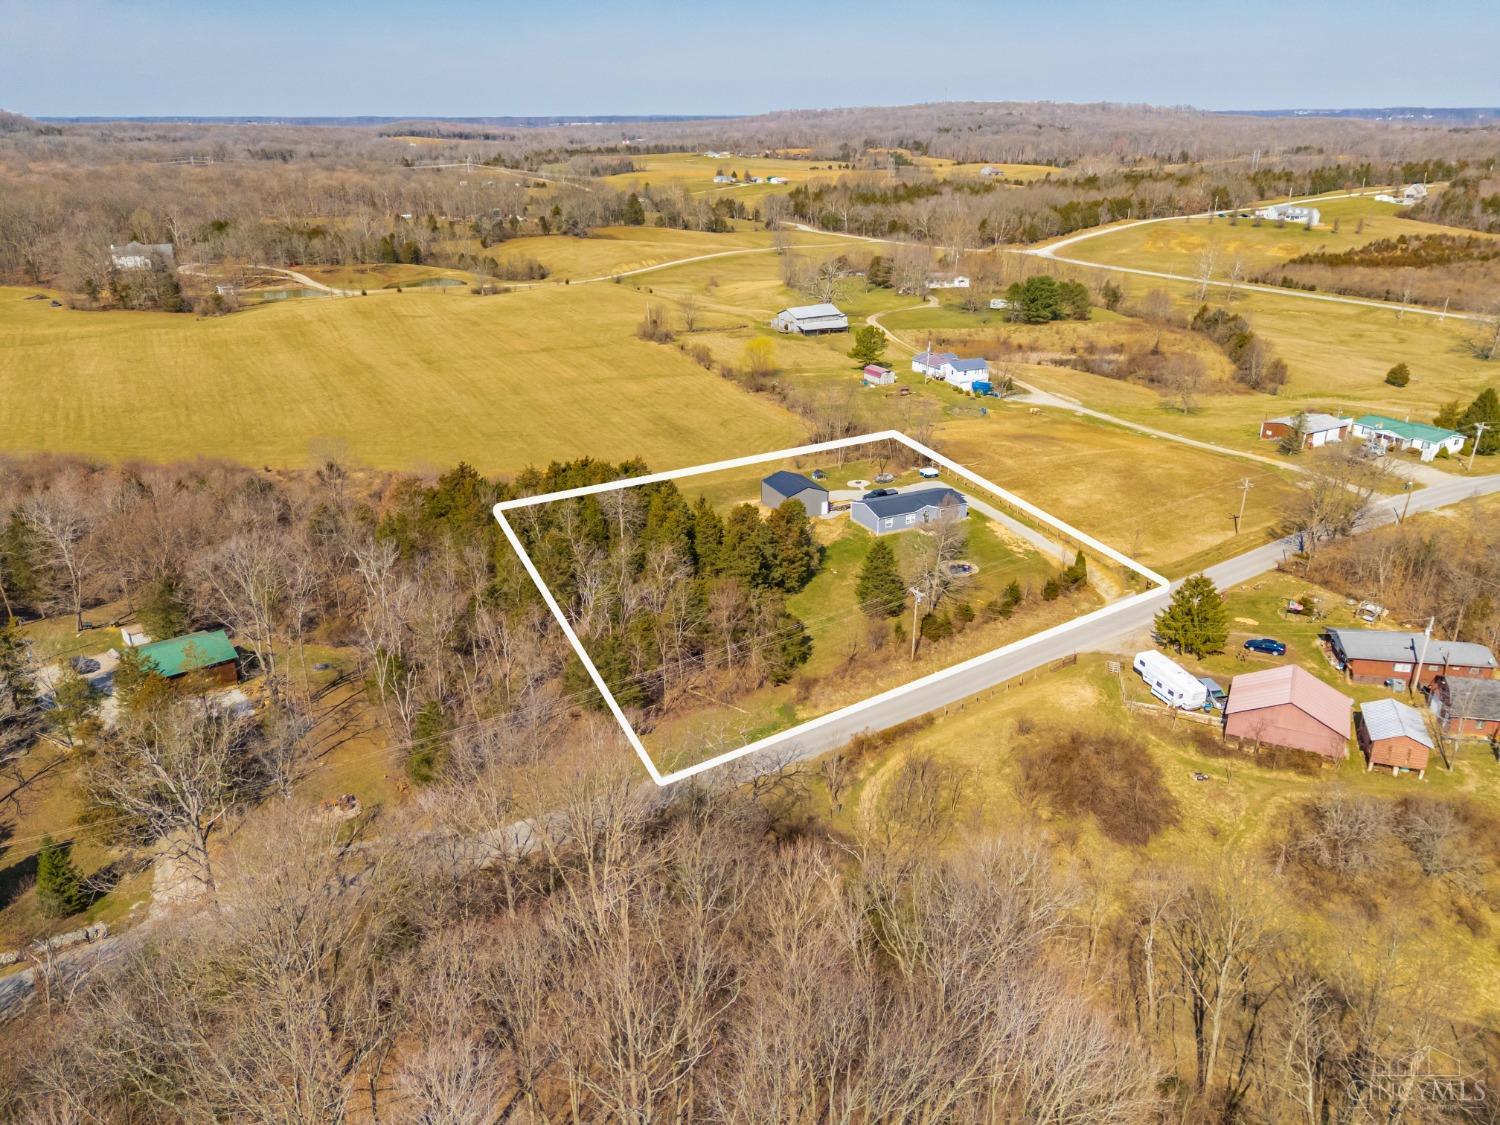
1394, 736
1288, 706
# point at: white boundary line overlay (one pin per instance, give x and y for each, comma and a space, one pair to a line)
1158, 583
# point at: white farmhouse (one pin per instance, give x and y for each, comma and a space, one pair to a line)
948, 281
930, 363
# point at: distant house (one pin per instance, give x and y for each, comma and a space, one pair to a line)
1290, 707
810, 320
947, 281
1290, 213
776, 179
1466, 708
1373, 656
1390, 433
141, 255
1413, 193
900, 511
990, 170
1393, 736
207, 652
877, 376
930, 363
1317, 429
965, 372
721, 179
779, 487
1169, 681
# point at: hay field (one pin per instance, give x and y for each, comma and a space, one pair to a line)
693, 172
402, 380
1178, 245
1156, 500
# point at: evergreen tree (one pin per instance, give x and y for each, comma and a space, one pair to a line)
1195, 621
869, 345
1076, 574
139, 687
1486, 409
745, 548
635, 213
1398, 376
1051, 590
879, 273
20, 710
1035, 300
1293, 441
59, 884
1006, 604
708, 538
429, 743
74, 705
880, 589
163, 611
793, 553
18, 576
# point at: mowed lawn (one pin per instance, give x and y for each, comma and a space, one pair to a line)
401, 380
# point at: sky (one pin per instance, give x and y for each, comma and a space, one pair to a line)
576, 57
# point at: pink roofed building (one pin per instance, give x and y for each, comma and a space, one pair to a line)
1288, 706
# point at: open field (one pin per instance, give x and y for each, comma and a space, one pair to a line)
693, 172
1155, 500
1178, 246
422, 378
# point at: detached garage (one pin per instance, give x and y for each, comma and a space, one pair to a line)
1289, 707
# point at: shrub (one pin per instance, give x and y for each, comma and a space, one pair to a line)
1101, 774
1398, 376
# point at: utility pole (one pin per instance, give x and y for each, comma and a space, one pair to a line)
1244, 495
1407, 506
1421, 657
1479, 428
916, 602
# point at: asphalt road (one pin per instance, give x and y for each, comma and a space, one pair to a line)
1103, 635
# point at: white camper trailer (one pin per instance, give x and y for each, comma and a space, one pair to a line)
1170, 682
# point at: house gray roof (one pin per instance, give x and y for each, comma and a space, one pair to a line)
1317, 423
1390, 718
1471, 698
904, 503
934, 359
1404, 648
789, 484
968, 365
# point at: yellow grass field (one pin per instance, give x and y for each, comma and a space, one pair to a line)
402, 380
1178, 246
693, 172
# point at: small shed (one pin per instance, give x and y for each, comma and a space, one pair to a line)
779, 487
1289, 706
1394, 736
877, 376
209, 652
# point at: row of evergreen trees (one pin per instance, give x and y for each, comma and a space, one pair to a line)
687, 587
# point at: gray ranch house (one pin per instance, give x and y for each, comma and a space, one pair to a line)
779, 487
900, 511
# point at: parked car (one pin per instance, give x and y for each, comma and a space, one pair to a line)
1266, 645
880, 492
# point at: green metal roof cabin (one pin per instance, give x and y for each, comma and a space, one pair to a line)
194, 652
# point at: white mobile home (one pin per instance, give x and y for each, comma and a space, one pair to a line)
1170, 682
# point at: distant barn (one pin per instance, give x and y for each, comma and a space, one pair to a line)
810, 320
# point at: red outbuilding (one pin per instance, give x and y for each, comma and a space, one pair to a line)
1290, 707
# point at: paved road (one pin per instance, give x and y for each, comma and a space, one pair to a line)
1101, 635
